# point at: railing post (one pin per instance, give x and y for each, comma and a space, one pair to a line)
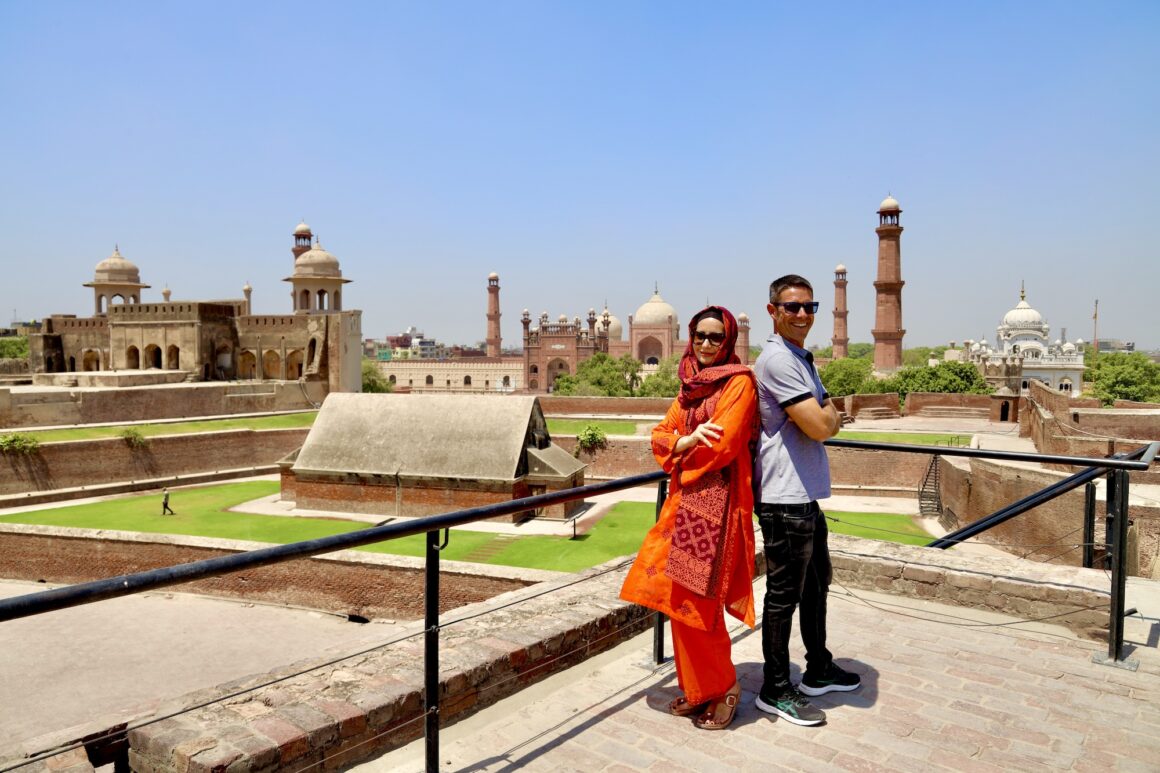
1119, 554
659, 622
431, 652
1112, 502
1089, 524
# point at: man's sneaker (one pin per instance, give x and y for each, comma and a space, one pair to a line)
791, 706
833, 679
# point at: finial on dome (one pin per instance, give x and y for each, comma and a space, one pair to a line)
1022, 291
656, 287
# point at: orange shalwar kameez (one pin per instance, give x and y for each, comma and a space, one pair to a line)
701, 646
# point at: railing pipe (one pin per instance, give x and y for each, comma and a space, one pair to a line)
125, 585
1089, 524
1119, 556
659, 617
1035, 499
1120, 462
431, 651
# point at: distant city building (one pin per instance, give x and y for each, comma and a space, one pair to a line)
1022, 352
206, 340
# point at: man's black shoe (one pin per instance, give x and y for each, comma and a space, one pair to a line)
833, 679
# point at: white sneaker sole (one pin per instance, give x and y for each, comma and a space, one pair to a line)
814, 692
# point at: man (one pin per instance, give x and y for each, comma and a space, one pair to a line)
796, 416
165, 502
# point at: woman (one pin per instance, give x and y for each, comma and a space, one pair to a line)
699, 556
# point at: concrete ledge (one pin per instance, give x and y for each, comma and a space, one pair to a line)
343, 712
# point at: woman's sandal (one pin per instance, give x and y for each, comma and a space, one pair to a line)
679, 707
721, 711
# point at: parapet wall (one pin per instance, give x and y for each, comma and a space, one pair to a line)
82, 463
567, 405
55, 406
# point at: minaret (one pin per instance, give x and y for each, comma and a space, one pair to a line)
493, 337
302, 239
166, 294
841, 339
248, 291
742, 348
888, 330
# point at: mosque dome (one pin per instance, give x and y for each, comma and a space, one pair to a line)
562, 319
316, 262
302, 229
1023, 317
655, 311
116, 269
889, 204
1069, 348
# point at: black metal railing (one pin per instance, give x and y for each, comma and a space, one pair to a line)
432, 526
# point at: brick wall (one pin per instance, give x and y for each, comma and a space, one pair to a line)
345, 582
855, 404
95, 406
916, 401
93, 462
972, 489
379, 495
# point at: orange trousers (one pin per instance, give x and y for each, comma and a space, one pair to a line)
704, 660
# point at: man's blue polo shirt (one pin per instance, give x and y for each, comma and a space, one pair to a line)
793, 467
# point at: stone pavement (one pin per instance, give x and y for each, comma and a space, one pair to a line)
943, 688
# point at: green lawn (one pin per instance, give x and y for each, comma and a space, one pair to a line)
573, 426
203, 512
915, 438
281, 421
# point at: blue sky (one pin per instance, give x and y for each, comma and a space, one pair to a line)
586, 151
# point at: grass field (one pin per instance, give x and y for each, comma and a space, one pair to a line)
573, 426
203, 512
915, 438
281, 421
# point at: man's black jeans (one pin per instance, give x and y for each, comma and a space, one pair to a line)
797, 571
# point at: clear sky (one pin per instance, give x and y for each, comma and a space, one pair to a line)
587, 150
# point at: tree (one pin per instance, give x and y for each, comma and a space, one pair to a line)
601, 375
860, 351
1125, 376
846, 376
663, 383
14, 348
955, 377
921, 355
373, 380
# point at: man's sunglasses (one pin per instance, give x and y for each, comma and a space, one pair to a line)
793, 307
714, 338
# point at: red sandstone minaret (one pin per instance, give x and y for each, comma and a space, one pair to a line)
742, 347
888, 330
841, 339
493, 337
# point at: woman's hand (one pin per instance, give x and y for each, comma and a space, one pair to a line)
705, 434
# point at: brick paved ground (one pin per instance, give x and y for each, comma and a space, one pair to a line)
935, 696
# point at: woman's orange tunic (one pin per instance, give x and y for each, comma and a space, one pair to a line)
647, 583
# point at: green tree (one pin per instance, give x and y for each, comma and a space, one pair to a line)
824, 353
602, 375
861, 351
921, 355
1125, 376
14, 348
373, 380
846, 376
663, 383
955, 377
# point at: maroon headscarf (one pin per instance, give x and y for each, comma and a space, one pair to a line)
699, 381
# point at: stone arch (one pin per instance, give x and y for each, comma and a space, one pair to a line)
323, 299
391, 378
271, 364
91, 360
556, 368
337, 303
1005, 411
247, 365
535, 369
153, 356
294, 365
173, 357
312, 353
118, 298
132, 358
72, 364
1065, 385
102, 304
467, 381
507, 381
304, 300
429, 381
649, 350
